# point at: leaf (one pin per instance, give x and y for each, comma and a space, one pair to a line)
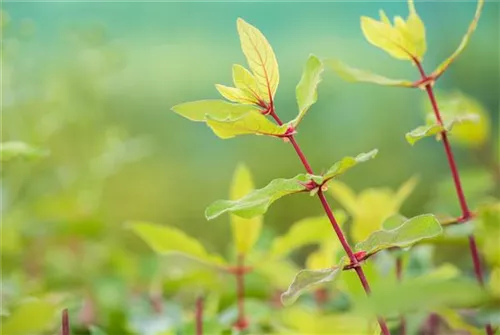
235, 94
343, 194
257, 202
411, 231
347, 163
324, 256
405, 190
304, 232
261, 59
423, 131
415, 295
217, 109
165, 239
307, 279
245, 231
352, 74
307, 88
201, 271
435, 129
463, 43
16, 149
96, 331
251, 123
456, 322
30, 317
245, 81
393, 222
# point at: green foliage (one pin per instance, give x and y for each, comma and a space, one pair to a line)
307, 88
40, 313
409, 232
347, 163
305, 279
257, 202
436, 129
13, 150
216, 109
96, 331
352, 74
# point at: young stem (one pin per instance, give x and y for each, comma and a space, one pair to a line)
333, 221
65, 322
399, 275
466, 214
241, 323
199, 316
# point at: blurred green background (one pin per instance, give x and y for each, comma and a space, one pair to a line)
94, 84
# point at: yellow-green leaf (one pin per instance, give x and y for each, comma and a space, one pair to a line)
436, 129
411, 231
307, 279
351, 74
261, 59
324, 256
16, 149
257, 202
343, 194
251, 123
245, 81
30, 317
245, 231
456, 322
458, 105
304, 232
216, 109
164, 240
235, 94
463, 43
347, 163
307, 88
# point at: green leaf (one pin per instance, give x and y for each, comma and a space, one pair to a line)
216, 109
465, 40
32, 316
180, 265
415, 295
96, 331
347, 163
394, 221
261, 59
165, 239
307, 88
251, 123
257, 202
235, 94
436, 129
423, 131
304, 232
15, 149
246, 232
411, 231
244, 80
351, 74
306, 279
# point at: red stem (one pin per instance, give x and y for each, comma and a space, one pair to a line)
199, 316
241, 323
65, 322
399, 275
333, 221
466, 214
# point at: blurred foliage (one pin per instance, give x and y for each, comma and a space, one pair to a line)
88, 143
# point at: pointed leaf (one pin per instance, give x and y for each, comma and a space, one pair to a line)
465, 40
414, 32
304, 232
164, 239
235, 94
307, 279
435, 129
411, 231
15, 149
251, 123
257, 202
347, 163
351, 74
384, 36
393, 222
245, 81
261, 59
245, 231
217, 109
307, 88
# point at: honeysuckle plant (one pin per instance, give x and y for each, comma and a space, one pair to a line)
406, 40
250, 109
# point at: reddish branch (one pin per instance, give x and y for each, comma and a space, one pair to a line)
353, 259
466, 213
65, 322
241, 323
199, 316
